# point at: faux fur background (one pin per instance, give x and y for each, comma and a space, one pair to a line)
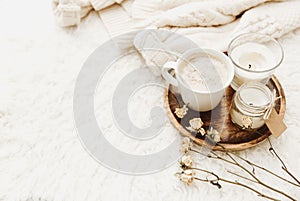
41, 157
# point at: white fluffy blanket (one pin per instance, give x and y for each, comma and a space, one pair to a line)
41, 157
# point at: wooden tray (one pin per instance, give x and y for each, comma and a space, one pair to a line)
232, 137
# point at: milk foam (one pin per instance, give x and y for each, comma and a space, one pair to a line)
203, 73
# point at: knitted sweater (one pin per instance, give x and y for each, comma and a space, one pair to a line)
70, 12
188, 16
209, 23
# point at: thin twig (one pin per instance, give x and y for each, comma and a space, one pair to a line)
262, 168
241, 176
258, 180
250, 188
231, 182
223, 159
236, 163
198, 152
281, 161
266, 170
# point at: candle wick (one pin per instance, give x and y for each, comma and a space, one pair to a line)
250, 66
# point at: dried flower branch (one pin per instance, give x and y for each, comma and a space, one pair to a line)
216, 182
188, 176
232, 159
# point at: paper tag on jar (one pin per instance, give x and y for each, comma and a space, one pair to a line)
275, 124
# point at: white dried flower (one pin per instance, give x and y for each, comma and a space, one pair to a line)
202, 131
196, 123
214, 134
181, 112
217, 138
212, 131
247, 122
186, 161
187, 176
196, 126
192, 130
186, 145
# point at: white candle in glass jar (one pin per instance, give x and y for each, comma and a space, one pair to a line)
250, 104
254, 59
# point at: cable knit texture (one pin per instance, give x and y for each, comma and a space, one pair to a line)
206, 13
259, 15
274, 19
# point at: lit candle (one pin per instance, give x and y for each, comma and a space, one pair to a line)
250, 104
255, 58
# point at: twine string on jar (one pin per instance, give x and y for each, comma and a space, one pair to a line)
271, 105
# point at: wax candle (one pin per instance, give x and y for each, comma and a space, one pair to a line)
249, 105
255, 58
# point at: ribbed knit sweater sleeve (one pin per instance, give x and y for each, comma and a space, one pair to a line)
70, 12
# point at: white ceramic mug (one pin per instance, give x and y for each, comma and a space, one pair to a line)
201, 100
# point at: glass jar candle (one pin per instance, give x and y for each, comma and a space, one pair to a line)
255, 58
250, 104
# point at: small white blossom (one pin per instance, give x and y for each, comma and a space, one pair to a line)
215, 135
202, 131
187, 176
217, 138
196, 126
186, 161
181, 112
186, 145
196, 123
247, 122
192, 130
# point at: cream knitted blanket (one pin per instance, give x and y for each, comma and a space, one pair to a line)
274, 18
210, 24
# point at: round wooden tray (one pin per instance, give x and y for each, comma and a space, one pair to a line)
232, 137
